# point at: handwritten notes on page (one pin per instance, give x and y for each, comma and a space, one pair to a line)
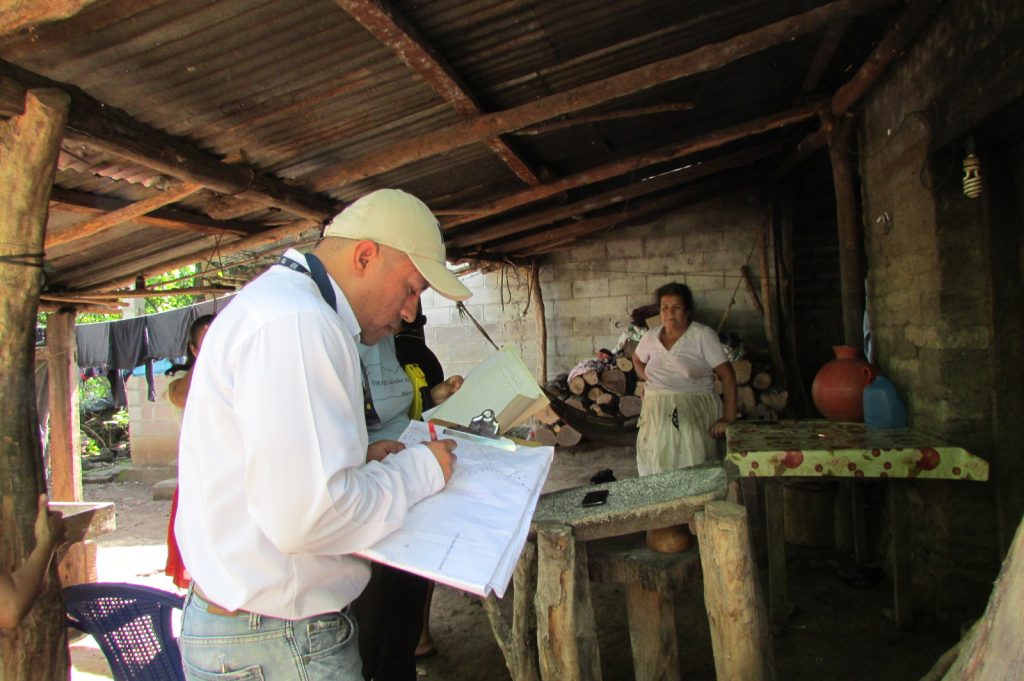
503, 384
470, 534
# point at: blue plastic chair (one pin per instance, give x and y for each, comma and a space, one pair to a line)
132, 625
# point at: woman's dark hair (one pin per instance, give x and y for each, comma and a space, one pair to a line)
682, 291
198, 325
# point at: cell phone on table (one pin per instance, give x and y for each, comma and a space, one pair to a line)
595, 497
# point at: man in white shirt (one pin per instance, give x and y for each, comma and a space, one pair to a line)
278, 485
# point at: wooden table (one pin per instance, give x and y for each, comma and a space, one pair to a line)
820, 449
566, 641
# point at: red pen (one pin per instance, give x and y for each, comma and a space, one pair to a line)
433, 433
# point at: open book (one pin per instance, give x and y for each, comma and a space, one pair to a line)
470, 534
502, 384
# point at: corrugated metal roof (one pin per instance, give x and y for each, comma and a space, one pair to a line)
295, 88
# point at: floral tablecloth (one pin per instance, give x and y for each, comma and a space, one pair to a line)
820, 448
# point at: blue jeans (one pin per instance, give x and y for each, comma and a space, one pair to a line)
251, 647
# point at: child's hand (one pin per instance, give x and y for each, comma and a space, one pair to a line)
49, 527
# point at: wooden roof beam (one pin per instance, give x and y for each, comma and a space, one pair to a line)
905, 29
121, 215
589, 119
639, 188
391, 28
18, 16
180, 220
92, 123
711, 140
823, 56
707, 58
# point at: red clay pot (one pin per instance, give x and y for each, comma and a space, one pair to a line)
838, 388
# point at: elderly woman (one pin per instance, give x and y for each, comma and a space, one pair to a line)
681, 414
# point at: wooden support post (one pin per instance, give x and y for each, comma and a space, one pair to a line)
78, 565
514, 639
899, 516
542, 325
652, 633
851, 276
29, 144
739, 629
566, 635
778, 596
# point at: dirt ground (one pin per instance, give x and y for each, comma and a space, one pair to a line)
837, 632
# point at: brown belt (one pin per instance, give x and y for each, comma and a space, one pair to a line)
213, 608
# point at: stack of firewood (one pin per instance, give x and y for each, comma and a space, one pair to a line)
615, 392
758, 398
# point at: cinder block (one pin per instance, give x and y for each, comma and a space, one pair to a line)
590, 288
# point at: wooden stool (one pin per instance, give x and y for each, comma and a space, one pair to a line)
652, 580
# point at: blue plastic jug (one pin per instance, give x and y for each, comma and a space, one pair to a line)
882, 406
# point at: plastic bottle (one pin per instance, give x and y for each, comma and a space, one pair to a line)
882, 406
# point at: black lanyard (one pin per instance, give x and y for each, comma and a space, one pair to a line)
318, 274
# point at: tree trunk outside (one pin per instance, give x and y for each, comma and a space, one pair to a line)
29, 145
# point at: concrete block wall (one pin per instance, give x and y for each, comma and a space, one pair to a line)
154, 428
590, 289
929, 293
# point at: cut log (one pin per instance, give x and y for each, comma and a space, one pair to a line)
762, 380
595, 392
628, 349
606, 400
577, 386
624, 364
776, 399
614, 381
745, 399
547, 416
545, 435
577, 402
630, 405
762, 412
591, 377
631, 422
568, 436
742, 367
598, 410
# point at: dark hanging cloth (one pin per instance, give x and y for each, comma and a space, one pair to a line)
167, 332
93, 344
127, 351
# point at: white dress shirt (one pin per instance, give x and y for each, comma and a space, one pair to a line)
275, 491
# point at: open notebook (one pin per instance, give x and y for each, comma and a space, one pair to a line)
470, 534
503, 384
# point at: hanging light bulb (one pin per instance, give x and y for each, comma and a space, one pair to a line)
972, 172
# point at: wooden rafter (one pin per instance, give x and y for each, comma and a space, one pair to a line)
102, 296
636, 112
618, 195
101, 127
94, 204
823, 56
630, 164
123, 274
706, 58
18, 16
913, 20
527, 244
391, 28
121, 215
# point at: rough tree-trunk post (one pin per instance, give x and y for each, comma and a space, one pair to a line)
739, 627
29, 145
566, 634
542, 327
851, 278
78, 565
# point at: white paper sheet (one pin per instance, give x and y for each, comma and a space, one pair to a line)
470, 534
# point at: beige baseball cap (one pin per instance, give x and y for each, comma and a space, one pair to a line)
394, 218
